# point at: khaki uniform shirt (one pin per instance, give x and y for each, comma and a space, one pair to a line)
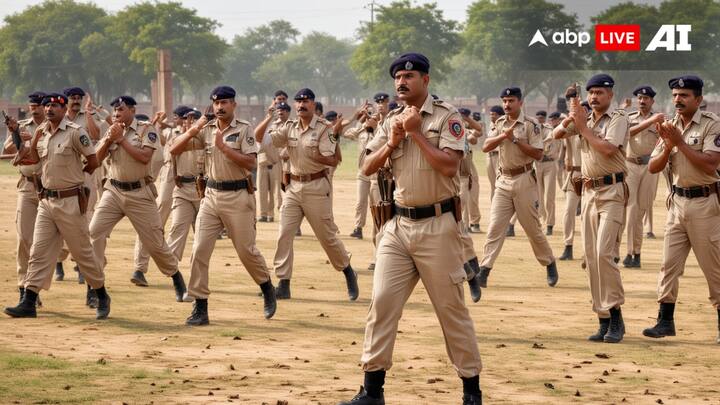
702, 134
416, 182
363, 138
614, 128
269, 154
303, 144
61, 155
28, 126
82, 117
551, 146
238, 136
526, 130
122, 166
642, 143
191, 161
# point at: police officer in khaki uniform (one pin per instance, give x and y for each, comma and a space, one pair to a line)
519, 142
546, 171
60, 146
229, 203
424, 143
269, 165
492, 167
129, 191
165, 185
691, 145
311, 145
604, 136
28, 185
573, 160
641, 183
471, 201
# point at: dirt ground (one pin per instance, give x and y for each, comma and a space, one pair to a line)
532, 338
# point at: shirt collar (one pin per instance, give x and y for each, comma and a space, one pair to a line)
427, 106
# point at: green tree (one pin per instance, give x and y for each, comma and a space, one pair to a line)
251, 50
400, 28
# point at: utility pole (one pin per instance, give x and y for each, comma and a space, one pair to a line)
371, 6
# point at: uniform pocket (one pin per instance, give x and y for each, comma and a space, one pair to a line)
434, 139
458, 275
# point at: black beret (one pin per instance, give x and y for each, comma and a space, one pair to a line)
686, 82
181, 110
380, 97
74, 91
511, 92
331, 115
142, 117
193, 112
36, 97
542, 113
497, 110
280, 93
645, 91
600, 80
554, 115
464, 111
305, 94
283, 106
222, 93
54, 98
393, 105
476, 116
127, 100
319, 107
410, 61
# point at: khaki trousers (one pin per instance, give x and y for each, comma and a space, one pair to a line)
374, 199
429, 250
90, 182
25, 214
139, 206
234, 211
515, 195
165, 186
311, 200
572, 201
603, 214
695, 223
642, 186
467, 242
492, 168
268, 179
547, 177
186, 204
57, 220
363, 194
474, 197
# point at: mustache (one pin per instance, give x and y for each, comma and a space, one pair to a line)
302, 109
221, 111
402, 88
679, 105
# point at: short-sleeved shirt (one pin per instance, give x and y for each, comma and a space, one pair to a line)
82, 118
416, 182
642, 143
614, 128
238, 136
302, 144
702, 134
269, 154
61, 155
121, 165
551, 146
525, 129
191, 161
363, 137
28, 126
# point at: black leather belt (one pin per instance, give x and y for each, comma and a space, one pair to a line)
233, 185
640, 160
60, 193
426, 211
186, 179
697, 191
604, 180
126, 185
546, 158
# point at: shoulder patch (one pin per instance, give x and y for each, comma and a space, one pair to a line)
250, 140
85, 140
152, 136
456, 128
717, 140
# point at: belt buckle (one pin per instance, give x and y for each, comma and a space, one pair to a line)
412, 213
706, 191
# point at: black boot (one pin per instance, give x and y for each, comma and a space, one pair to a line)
351, 281
472, 269
628, 261
26, 307
21, 290
199, 315
636, 261
482, 276
91, 299
180, 288
357, 233
269, 301
103, 303
549, 230
665, 325
567, 253
283, 290
510, 231
650, 235
81, 278
552, 274
138, 278
471, 391
372, 393
616, 331
600, 334
59, 272
472, 399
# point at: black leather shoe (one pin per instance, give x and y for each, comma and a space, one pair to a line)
472, 270
362, 398
475, 228
352, 284
482, 276
665, 325
600, 334
357, 233
371, 266
616, 331
81, 278
283, 290
199, 315
59, 272
627, 261
180, 288
91, 299
262, 219
650, 235
472, 399
552, 274
103, 307
298, 232
510, 231
269, 301
549, 230
636, 261
26, 307
138, 278
567, 253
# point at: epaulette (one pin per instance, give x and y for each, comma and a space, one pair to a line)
710, 115
619, 111
395, 111
73, 125
444, 104
634, 113
26, 121
241, 121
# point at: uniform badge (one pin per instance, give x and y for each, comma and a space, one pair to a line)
717, 140
681, 83
333, 138
644, 91
408, 65
456, 128
536, 129
152, 136
85, 140
232, 138
507, 92
250, 140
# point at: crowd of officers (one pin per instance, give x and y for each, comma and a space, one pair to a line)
83, 169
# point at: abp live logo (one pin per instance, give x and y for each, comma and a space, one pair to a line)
622, 38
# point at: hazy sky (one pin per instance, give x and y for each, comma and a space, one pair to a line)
340, 18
